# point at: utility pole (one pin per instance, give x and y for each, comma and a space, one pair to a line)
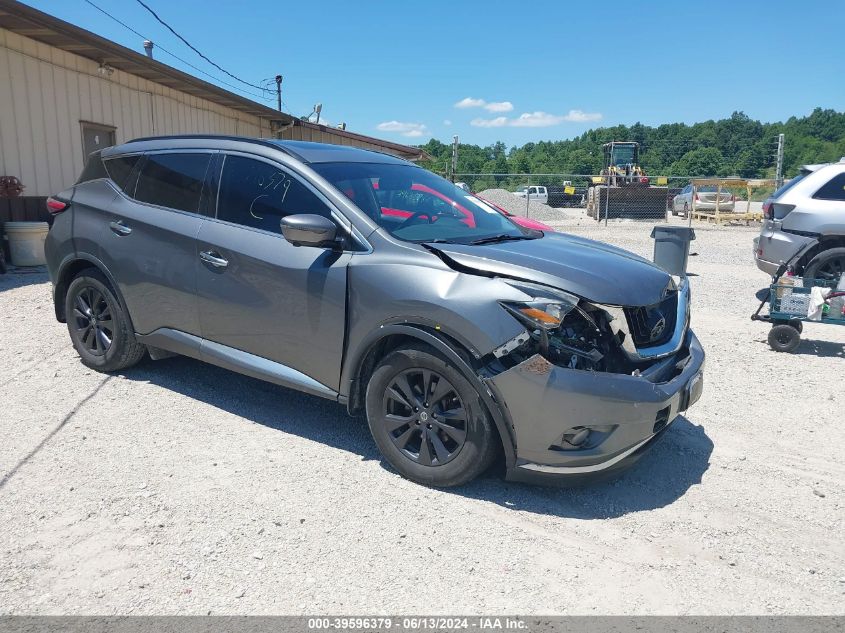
279, 92
454, 157
779, 167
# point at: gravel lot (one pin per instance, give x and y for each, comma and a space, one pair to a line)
182, 488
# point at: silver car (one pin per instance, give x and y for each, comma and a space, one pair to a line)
704, 199
809, 208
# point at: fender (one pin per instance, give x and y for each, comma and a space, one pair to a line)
61, 283
418, 332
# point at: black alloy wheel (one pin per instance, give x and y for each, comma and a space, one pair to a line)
99, 327
828, 265
830, 269
427, 418
93, 320
424, 417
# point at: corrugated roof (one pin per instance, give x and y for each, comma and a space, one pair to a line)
37, 25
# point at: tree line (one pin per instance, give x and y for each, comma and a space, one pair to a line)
737, 146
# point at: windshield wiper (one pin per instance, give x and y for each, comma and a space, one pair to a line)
503, 237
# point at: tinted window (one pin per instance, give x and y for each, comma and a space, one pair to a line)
787, 186
93, 169
173, 180
463, 218
833, 190
258, 194
120, 168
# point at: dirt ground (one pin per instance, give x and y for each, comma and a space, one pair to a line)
180, 488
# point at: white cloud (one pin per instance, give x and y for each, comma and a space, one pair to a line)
499, 106
538, 119
411, 130
499, 121
579, 116
469, 102
447, 122
493, 106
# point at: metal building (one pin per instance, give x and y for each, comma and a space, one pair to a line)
65, 92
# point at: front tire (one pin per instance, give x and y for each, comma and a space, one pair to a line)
98, 326
428, 420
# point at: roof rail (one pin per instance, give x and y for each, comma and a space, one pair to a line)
216, 137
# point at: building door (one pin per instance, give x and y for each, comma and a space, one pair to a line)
96, 137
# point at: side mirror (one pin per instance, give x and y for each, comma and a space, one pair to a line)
308, 229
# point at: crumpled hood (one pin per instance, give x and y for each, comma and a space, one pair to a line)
596, 271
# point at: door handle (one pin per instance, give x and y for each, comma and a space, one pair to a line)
210, 257
119, 228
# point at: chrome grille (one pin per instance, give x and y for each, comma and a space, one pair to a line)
654, 324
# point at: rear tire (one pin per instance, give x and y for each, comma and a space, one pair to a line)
428, 420
784, 338
828, 265
98, 326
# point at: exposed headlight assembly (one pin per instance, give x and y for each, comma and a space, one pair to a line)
547, 308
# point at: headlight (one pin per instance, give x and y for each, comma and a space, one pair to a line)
547, 308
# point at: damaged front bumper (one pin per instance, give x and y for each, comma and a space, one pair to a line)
576, 426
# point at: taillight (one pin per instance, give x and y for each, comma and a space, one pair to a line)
767, 210
56, 206
733, 198
697, 199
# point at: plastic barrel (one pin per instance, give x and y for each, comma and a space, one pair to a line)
26, 242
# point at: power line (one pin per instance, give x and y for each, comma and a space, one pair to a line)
193, 48
173, 55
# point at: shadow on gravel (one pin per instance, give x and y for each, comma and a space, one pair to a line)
822, 349
675, 463
276, 407
19, 277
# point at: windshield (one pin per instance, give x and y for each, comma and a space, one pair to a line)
415, 205
622, 155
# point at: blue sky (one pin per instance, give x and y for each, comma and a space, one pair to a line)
523, 71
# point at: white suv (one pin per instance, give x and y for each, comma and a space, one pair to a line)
540, 194
809, 208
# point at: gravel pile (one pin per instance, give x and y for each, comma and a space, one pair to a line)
516, 205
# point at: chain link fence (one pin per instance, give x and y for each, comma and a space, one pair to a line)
566, 197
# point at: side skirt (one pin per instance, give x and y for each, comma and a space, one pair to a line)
234, 360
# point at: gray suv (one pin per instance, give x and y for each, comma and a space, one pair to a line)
362, 278
805, 220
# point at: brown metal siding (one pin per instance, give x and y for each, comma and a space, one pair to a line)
46, 92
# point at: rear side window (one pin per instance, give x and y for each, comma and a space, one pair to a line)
94, 169
119, 169
173, 180
257, 194
833, 190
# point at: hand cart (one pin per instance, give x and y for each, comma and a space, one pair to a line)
789, 303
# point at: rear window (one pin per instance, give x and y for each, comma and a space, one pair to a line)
789, 185
173, 180
119, 169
